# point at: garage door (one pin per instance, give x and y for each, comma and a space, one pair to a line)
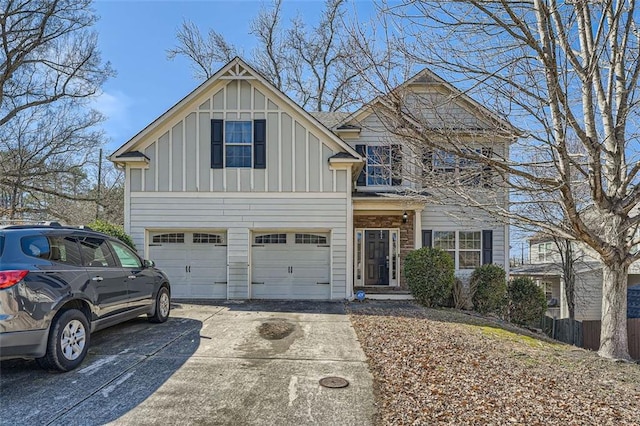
196, 262
290, 265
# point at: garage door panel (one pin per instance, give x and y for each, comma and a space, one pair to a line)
195, 262
290, 270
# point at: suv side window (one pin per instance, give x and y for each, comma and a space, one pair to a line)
96, 253
127, 258
54, 248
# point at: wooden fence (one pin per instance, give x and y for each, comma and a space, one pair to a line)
586, 334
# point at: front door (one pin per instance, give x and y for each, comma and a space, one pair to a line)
376, 268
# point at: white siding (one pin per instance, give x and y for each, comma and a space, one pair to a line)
238, 215
458, 218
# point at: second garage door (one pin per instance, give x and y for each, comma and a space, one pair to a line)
195, 262
291, 265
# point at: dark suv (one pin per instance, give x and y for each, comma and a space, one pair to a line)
59, 284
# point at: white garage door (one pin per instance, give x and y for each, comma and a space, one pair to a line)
290, 265
196, 262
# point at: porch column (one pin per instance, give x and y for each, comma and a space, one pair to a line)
417, 228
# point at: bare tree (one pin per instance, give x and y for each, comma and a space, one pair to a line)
561, 71
50, 69
310, 64
47, 53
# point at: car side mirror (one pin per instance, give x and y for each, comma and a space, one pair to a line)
149, 263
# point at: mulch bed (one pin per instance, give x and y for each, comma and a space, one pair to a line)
445, 367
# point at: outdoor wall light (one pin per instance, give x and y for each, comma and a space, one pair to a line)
405, 216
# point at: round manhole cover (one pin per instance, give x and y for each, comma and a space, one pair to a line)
334, 382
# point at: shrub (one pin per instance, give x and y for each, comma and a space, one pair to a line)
429, 274
527, 303
113, 230
488, 287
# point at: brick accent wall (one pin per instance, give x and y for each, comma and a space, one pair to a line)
392, 221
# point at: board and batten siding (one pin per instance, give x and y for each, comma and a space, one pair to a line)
180, 152
240, 216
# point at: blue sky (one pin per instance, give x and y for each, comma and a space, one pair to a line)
134, 36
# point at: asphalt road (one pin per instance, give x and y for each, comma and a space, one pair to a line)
227, 364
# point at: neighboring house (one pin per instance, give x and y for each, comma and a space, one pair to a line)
238, 193
545, 268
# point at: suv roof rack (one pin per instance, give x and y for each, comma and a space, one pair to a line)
45, 225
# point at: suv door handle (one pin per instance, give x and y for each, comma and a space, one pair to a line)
98, 278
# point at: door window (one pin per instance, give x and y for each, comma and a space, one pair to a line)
127, 258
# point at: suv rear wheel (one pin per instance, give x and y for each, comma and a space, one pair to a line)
68, 341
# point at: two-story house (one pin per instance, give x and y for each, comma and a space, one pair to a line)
546, 268
238, 193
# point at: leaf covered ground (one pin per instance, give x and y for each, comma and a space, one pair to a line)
446, 367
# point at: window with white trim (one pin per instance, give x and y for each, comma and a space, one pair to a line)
449, 167
545, 252
271, 239
310, 239
200, 238
378, 165
464, 247
169, 238
238, 142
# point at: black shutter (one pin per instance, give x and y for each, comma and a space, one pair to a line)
427, 238
396, 165
427, 163
487, 247
487, 171
362, 177
259, 144
217, 144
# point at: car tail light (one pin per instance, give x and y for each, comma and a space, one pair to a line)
9, 278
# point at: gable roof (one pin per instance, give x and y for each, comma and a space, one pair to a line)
202, 88
428, 77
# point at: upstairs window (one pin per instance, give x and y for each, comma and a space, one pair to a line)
545, 252
383, 165
446, 166
238, 144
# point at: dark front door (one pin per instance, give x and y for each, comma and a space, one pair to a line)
376, 251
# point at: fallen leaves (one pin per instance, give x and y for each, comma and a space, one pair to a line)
445, 367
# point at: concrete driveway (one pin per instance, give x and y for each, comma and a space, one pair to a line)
232, 363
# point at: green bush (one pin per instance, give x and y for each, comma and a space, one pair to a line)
116, 231
488, 289
527, 302
430, 275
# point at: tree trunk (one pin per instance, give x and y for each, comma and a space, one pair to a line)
613, 334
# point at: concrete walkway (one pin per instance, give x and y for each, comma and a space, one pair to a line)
245, 363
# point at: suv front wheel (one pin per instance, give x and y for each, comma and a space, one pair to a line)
68, 341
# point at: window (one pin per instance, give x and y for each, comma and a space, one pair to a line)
207, 238
310, 239
449, 167
128, 259
464, 247
445, 240
271, 239
96, 253
238, 143
469, 250
378, 165
169, 238
56, 249
545, 252
383, 165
